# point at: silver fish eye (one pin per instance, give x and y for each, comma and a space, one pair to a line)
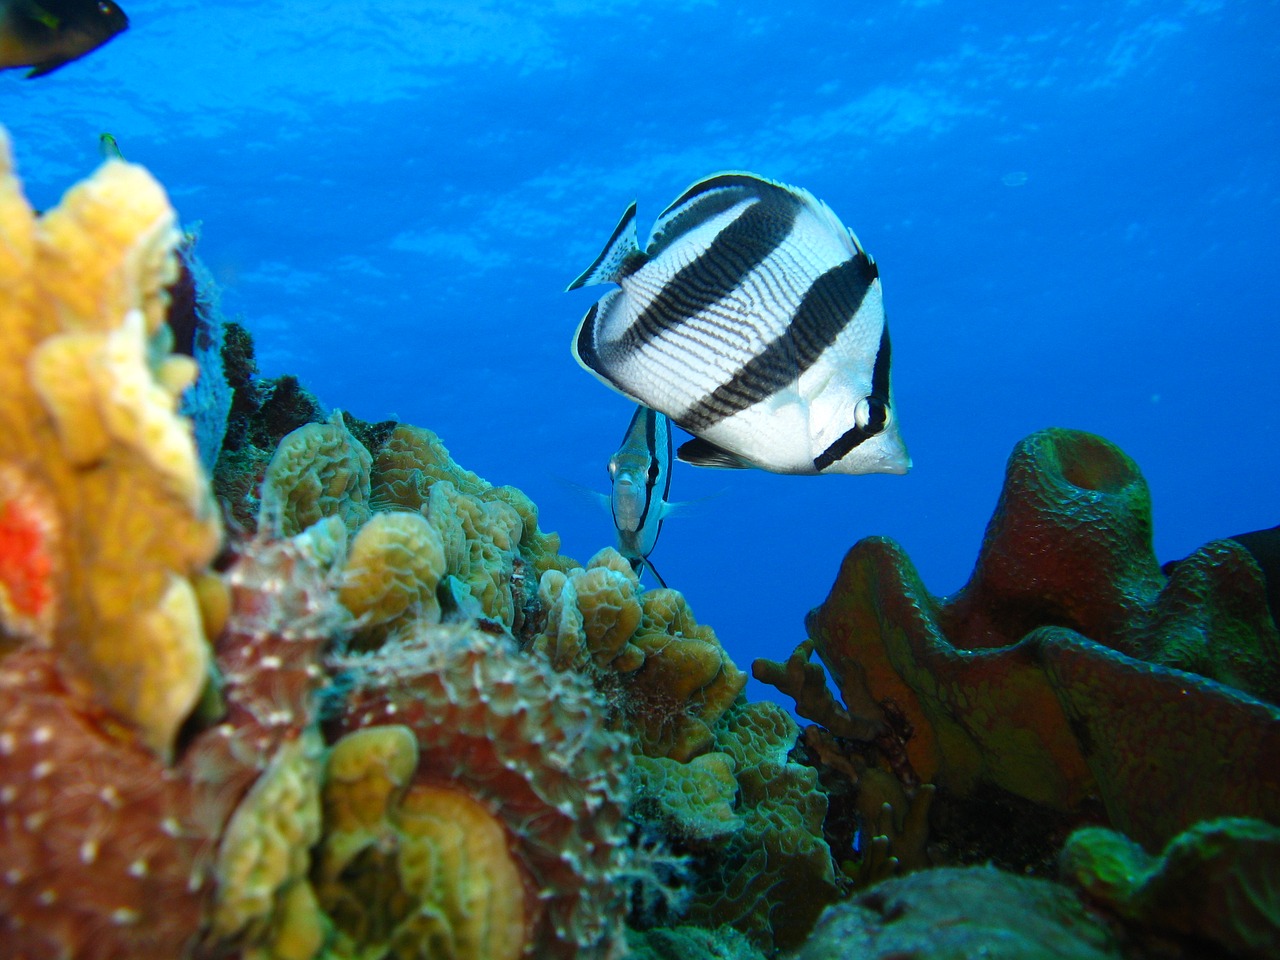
871, 412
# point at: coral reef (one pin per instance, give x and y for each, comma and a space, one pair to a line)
389, 719
1062, 669
1217, 883
956, 913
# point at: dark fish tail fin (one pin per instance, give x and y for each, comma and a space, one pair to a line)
621, 255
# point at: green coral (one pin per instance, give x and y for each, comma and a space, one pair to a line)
772, 878
1218, 882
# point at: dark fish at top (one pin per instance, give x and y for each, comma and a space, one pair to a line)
753, 319
48, 34
641, 475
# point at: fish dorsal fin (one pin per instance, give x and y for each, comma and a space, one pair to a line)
620, 257
704, 453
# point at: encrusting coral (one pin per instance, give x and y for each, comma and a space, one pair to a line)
107, 527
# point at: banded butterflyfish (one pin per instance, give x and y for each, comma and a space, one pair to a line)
753, 319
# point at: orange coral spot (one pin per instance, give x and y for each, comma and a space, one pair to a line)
26, 557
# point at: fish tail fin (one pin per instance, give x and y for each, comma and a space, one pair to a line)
621, 255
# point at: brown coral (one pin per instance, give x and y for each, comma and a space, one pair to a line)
100, 856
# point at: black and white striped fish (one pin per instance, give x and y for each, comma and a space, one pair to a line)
753, 318
641, 475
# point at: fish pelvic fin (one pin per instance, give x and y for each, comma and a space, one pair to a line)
704, 453
640, 563
620, 257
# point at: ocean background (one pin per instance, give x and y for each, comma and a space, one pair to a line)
1075, 209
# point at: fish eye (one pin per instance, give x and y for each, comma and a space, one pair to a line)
872, 414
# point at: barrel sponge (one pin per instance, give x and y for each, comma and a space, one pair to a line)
392, 570
405, 862
687, 681
319, 470
106, 554
530, 745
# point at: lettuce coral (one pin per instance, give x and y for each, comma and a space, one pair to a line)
772, 877
411, 868
318, 471
392, 570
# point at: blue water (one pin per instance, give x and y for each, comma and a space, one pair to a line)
1075, 208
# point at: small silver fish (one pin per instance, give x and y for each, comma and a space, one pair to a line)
641, 474
753, 318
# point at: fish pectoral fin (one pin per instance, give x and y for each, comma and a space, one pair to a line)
704, 453
620, 257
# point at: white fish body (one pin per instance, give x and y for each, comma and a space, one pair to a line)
753, 319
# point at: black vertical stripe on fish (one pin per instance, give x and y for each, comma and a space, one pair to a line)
825, 311
879, 401
651, 473
705, 201
585, 346
714, 274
